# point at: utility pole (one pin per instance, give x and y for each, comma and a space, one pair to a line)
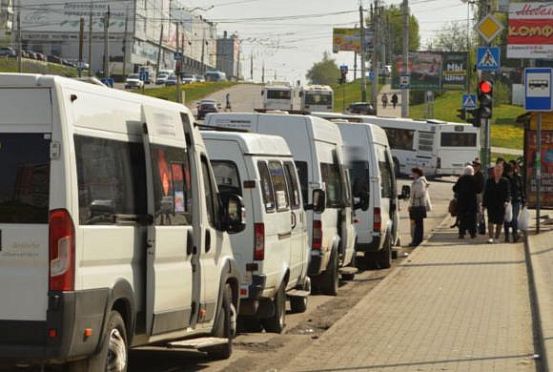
81, 42
203, 50
19, 47
106, 43
125, 43
251, 66
90, 42
354, 66
405, 89
178, 69
375, 59
363, 54
159, 50
263, 73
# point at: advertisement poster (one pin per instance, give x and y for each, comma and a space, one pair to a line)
425, 69
546, 162
530, 33
348, 40
454, 71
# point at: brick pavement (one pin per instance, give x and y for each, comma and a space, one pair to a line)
452, 306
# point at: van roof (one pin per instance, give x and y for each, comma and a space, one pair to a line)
252, 143
376, 133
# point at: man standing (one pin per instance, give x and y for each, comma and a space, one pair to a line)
479, 182
394, 100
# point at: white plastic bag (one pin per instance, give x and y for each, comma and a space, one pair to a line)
508, 212
523, 219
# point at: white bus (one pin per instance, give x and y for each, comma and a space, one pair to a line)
438, 147
278, 96
317, 98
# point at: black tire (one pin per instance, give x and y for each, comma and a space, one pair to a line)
223, 327
114, 351
384, 256
349, 277
277, 322
299, 304
330, 278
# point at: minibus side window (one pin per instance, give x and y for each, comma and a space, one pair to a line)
301, 166
279, 185
210, 194
226, 176
334, 183
111, 180
172, 186
293, 186
266, 186
386, 175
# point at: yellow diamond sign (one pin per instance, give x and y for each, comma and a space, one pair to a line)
489, 27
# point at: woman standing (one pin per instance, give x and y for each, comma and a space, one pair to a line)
496, 196
419, 204
466, 189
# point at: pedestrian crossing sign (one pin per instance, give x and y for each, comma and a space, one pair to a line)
469, 101
488, 59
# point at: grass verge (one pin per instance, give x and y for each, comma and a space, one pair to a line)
349, 93
36, 67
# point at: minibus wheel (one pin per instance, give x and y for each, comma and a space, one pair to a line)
276, 323
331, 277
223, 327
384, 256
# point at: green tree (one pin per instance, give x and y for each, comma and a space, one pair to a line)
392, 19
325, 72
451, 38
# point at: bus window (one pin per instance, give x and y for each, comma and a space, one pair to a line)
458, 139
400, 139
426, 141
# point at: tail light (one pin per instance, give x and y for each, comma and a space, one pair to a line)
259, 242
317, 240
377, 220
61, 251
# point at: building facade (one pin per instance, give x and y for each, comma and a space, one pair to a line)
140, 33
228, 56
6, 21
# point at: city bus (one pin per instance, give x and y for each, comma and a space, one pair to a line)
278, 96
318, 98
438, 147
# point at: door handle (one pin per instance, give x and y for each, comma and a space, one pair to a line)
294, 220
285, 235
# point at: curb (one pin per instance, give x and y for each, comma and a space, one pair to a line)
537, 319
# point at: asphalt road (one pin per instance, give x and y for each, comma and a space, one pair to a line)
263, 351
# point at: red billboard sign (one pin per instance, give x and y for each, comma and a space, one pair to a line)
530, 32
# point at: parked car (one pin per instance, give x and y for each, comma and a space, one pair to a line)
161, 79
200, 78
188, 78
362, 108
8, 52
41, 57
171, 80
133, 81
207, 106
122, 246
54, 59
272, 252
30, 54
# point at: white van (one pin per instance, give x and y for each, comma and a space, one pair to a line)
113, 234
272, 252
371, 169
316, 146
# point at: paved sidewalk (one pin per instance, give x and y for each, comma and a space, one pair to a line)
453, 306
389, 111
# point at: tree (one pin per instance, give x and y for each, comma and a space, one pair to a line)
325, 72
451, 38
392, 19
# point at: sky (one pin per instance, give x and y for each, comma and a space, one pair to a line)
290, 46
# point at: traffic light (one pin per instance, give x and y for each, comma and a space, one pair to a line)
485, 99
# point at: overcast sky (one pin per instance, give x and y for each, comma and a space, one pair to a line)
291, 46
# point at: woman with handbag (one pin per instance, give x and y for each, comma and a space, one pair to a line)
465, 188
419, 204
497, 194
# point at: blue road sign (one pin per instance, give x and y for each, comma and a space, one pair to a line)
344, 69
144, 75
538, 89
469, 101
177, 56
488, 59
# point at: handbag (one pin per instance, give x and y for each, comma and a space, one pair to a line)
452, 208
508, 212
417, 212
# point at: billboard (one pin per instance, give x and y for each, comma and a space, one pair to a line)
454, 71
530, 33
349, 40
42, 17
530, 146
425, 69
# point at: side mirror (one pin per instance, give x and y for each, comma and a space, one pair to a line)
405, 192
319, 201
234, 213
363, 202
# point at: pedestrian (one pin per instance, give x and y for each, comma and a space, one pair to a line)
394, 100
518, 198
419, 205
384, 100
479, 180
465, 190
496, 196
228, 106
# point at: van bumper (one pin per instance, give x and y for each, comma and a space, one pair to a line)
373, 246
69, 313
249, 304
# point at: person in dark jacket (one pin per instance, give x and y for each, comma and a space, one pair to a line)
465, 189
479, 180
497, 194
518, 198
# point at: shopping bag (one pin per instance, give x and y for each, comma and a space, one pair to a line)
508, 212
523, 219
